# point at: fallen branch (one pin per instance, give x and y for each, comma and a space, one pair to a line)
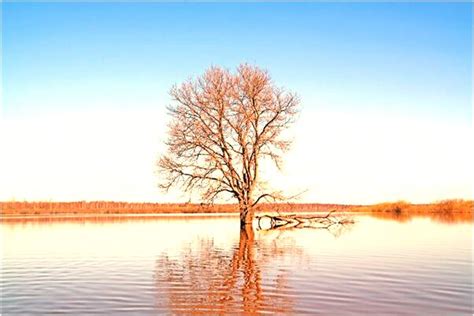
304, 221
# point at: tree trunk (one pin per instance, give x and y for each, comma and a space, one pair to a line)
246, 216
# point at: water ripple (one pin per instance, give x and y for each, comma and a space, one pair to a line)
194, 266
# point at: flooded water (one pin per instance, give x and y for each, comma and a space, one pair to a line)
193, 264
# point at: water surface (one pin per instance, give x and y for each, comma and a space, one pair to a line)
205, 264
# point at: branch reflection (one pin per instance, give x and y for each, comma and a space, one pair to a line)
207, 279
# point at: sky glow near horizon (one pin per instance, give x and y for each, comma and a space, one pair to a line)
385, 89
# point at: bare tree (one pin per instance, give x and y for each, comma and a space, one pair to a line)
223, 125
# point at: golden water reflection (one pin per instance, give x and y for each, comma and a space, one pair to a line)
439, 217
199, 264
206, 279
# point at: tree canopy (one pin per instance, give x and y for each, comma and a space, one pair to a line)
223, 125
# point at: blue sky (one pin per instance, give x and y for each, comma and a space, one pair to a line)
413, 58
365, 61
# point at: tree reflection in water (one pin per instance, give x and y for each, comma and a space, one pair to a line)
210, 280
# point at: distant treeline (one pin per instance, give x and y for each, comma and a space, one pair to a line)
104, 207
445, 206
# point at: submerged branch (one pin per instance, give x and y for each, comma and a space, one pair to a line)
303, 221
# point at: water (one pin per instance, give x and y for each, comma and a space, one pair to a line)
418, 266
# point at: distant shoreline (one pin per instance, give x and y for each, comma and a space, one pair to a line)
119, 208
96, 208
